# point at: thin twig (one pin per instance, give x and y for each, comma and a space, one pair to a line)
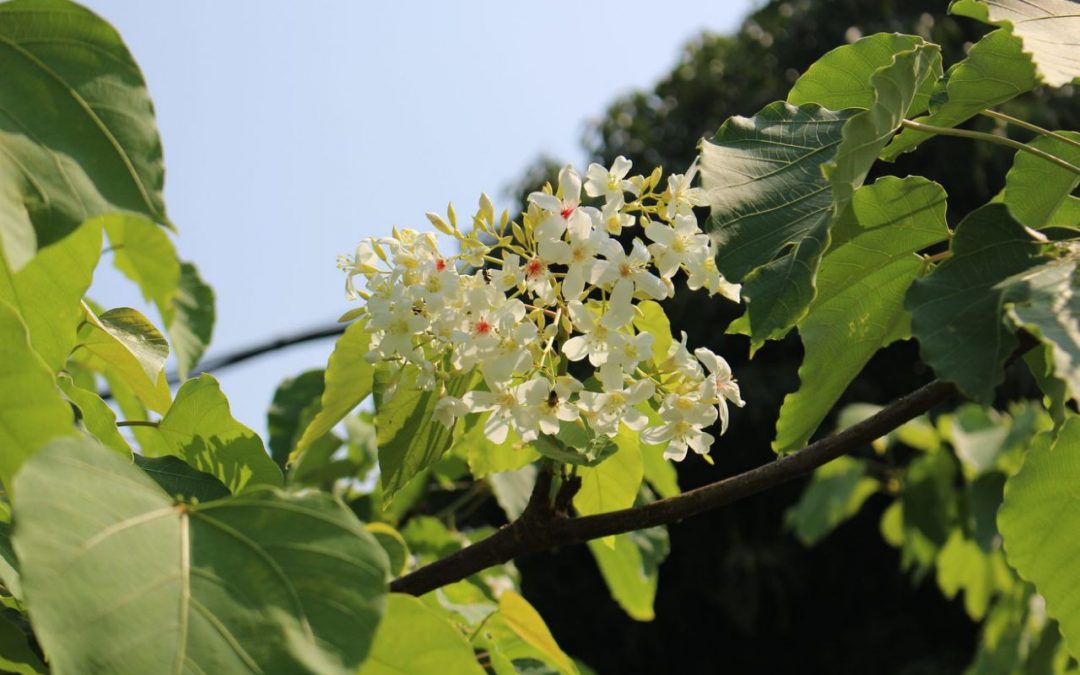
1023, 124
992, 138
136, 423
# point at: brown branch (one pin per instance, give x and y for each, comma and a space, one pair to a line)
541, 527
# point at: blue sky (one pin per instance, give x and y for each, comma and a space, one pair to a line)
292, 130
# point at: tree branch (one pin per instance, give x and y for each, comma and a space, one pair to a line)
540, 527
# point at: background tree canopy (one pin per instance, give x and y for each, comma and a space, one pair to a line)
737, 582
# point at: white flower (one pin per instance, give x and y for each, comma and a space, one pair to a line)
684, 417
674, 245
510, 276
579, 255
548, 403
633, 269
605, 410
614, 220
563, 211
681, 197
503, 406
596, 340
609, 183
719, 387
448, 409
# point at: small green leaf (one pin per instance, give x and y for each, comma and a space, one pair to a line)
283, 420
78, 137
486, 458
631, 569
190, 318
199, 429
1037, 191
613, 484
835, 493
132, 348
963, 566
31, 408
96, 415
771, 207
416, 640
393, 544
196, 588
16, 656
144, 253
48, 291
1050, 30
527, 624
512, 489
1039, 520
956, 311
841, 78
178, 479
348, 381
9, 564
994, 71
650, 318
410, 438
859, 307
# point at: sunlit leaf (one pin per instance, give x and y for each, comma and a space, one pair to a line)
1037, 192
835, 493
614, 483
190, 318
260, 583
283, 420
200, 429
527, 624
1050, 30
415, 640
95, 414
179, 479
145, 254
631, 569
48, 290
512, 489
31, 408
1039, 520
78, 136
133, 349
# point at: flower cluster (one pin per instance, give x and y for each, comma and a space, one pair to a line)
521, 302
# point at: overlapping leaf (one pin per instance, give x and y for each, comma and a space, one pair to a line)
200, 429
190, 319
77, 132
292, 398
995, 70
1039, 193
131, 582
859, 307
835, 493
133, 349
95, 414
408, 625
1039, 520
614, 483
631, 569
1050, 30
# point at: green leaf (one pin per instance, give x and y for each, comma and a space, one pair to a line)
486, 458
96, 415
132, 348
1036, 191
78, 136
416, 640
835, 493
410, 438
132, 582
1050, 30
963, 566
520, 617
771, 207
144, 253
978, 436
1039, 520
995, 70
31, 408
512, 489
292, 398
956, 311
16, 656
865, 134
9, 564
631, 569
859, 307
614, 483
190, 318
649, 317
841, 78
659, 472
199, 429
349, 379
393, 544
48, 290
928, 501
180, 480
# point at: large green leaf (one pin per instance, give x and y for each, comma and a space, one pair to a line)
283, 420
190, 318
995, 70
1039, 520
771, 206
199, 429
1050, 30
349, 380
1037, 192
859, 307
133, 349
486, 458
410, 438
180, 480
957, 310
415, 640
48, 291
31, 408
841, 78
835, 493
129, 581
614, 483
77, 130
16, 656
631, 569
95, 414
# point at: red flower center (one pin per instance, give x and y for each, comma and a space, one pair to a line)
440, 265
482, 327
568, 210
534, 268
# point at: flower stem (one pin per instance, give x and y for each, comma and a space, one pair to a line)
1015, 121
991, 138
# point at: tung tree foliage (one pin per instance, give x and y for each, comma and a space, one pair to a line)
535, 364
